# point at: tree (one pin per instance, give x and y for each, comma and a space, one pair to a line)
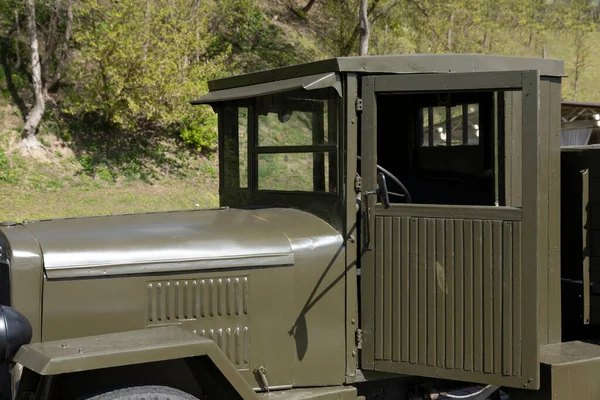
46, 62
138, 67
364, 26
35, 114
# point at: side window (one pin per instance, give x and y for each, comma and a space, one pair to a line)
235, 146
243, 145
450, 125
296, 142
281, 142
294, 172
455, 135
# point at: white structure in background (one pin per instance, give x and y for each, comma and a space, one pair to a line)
580, 123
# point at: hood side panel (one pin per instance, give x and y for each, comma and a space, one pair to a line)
318, 314
26, 275
249, 311
4, 271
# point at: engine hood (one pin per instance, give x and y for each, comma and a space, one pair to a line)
172, 241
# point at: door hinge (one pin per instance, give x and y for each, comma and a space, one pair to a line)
357, 184
359, 104
359, 338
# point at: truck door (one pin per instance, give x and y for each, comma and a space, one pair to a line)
449, 270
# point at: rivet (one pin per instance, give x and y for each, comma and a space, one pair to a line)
353, 353
80, 351
353, 321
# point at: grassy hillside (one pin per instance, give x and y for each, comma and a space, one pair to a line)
80, 176
589, 84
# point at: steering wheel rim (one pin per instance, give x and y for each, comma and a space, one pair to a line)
396, 181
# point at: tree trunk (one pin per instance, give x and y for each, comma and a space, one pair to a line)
385, 37
531, 40
17, 52
308, 6
580, 56
544, 52
61, 56
35, 115
576, 84
450, 32
365, 29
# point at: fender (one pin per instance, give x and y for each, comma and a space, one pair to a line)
127, 349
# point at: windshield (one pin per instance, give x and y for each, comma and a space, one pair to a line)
291, 141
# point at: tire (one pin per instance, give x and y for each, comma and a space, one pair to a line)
143, 393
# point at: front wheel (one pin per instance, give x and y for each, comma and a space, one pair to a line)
143, 393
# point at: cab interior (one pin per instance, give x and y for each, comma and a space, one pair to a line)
442, 146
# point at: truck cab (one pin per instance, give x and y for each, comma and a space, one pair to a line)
442, 173
384, 221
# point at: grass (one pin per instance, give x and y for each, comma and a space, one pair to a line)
19, 204
562, 47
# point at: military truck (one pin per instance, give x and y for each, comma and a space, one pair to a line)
389, 228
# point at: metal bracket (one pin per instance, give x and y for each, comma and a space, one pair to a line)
357, 183
359, 338
359, 104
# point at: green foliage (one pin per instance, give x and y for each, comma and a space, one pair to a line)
139, 65
142, 64
340, 32
200, 131
253, 43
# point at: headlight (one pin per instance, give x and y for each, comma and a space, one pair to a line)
15, 331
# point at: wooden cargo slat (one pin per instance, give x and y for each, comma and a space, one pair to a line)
379, 298
497, 244
477, 296
459, 293
469, 304
441, 295
516, 317
405, 293
422, 298
388, 262
486, 296
449, 284
432, 290
397, 287
507, 299
414, 292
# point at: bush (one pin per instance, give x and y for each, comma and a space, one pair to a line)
201, 132
141, 66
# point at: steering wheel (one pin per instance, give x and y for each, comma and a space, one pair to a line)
406, 194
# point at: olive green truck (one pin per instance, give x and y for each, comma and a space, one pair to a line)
390, 227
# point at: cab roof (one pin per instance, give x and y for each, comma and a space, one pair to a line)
397, 64
324, 73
